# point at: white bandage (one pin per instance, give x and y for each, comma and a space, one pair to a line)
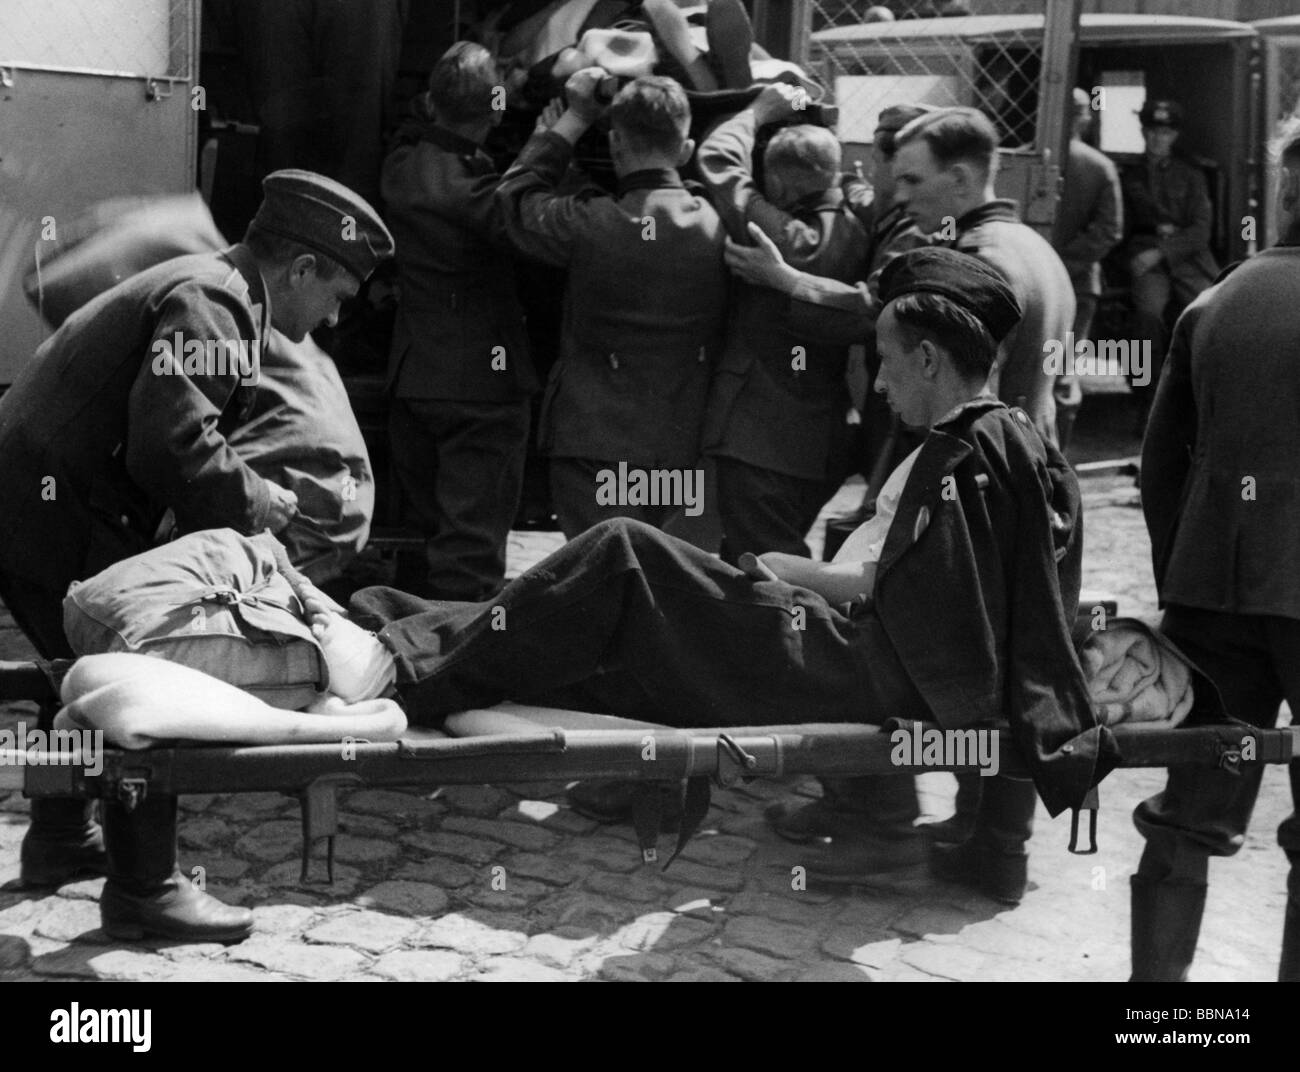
361, 668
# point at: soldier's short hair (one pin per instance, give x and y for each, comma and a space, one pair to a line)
963, 335
806, 156
652, 115
278, 249
461, 83
955, 135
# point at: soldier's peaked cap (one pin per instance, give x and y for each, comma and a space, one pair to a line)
324, 216
1161, 113
962, 278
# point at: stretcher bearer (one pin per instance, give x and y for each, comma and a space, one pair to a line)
643, 314
121, 416
1222, 502
459, 369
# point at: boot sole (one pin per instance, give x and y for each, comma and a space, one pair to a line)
52, 880
135, 932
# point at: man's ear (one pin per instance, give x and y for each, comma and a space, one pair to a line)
964, 178
301, 267
688, 150
931, 359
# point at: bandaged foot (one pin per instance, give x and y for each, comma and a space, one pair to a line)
361, 668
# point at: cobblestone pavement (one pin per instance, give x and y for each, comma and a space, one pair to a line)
418, 891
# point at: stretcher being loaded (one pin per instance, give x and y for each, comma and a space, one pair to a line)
511, 743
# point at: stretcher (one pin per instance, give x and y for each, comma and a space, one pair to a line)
513, 743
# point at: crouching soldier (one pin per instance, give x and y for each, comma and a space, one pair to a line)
121, 417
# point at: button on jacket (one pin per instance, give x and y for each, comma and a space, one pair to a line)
644, 311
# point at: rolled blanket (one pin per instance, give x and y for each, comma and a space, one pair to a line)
1134, 678
139, 701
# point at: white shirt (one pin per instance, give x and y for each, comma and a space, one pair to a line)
867, 542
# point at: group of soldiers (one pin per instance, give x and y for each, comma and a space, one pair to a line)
709, 320
666, 357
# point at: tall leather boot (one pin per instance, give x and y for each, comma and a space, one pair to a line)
1288, 970
63, 841
146, 894
995, 859
1164, 924
883, 806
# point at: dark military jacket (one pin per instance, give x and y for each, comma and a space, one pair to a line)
101, 434
459, 332
779, 398
643, 316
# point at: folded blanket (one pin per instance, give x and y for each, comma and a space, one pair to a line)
1133, 677
139, 701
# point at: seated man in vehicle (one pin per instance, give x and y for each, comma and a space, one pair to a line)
952, 604
1169, 215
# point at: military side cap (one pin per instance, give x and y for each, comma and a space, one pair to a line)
962, 278
324, 216
1161, 113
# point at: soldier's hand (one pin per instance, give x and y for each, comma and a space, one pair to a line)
550, 115
778, 101
283, 508
580, 93
761, 263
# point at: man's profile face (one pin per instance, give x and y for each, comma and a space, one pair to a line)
926, 190
901, 379
1160, 140
311, 302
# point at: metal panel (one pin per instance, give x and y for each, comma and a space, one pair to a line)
69, 140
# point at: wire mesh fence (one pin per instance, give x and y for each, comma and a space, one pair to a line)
131, 38
872, 56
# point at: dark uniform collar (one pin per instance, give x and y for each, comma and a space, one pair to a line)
969, 409
650, 179
451, 141
998, 209
245, 263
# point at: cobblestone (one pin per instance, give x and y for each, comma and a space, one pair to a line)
466, 934
419, 966
373, 932
412, 898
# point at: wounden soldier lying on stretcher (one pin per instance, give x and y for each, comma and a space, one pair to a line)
953, 604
